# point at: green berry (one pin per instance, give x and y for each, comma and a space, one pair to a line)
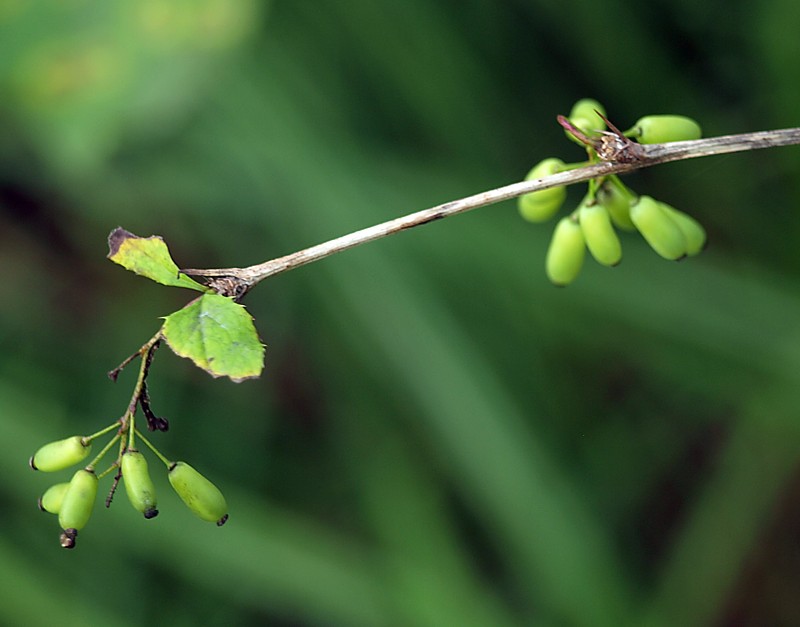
77, 505
566, 252
658, 129
138, 485
584, 116
60, 454
200, 495
618, 204
542, 205
600, 236
658, 228
51, 500
692, 230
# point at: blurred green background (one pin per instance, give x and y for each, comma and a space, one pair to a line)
440, 437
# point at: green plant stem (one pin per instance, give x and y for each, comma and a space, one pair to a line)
102, 453
131, 431
652, 154
167, 463
102, 432
144, 353
127, 420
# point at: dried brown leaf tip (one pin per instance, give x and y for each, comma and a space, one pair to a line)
116, 238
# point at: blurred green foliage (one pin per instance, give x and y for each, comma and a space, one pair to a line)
440, 437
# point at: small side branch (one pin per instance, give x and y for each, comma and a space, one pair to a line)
651, 155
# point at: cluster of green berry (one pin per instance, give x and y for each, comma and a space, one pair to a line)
74, 501
609, 203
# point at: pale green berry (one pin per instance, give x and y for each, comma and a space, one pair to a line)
542, 205
584, 115
200, 495
138, 484
692, 230
51, 500
618, 204
60, 454
658, 129
658, 228
77, 505
566, 252
601, 238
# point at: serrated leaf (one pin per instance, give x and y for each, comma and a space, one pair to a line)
218, 335
148, 257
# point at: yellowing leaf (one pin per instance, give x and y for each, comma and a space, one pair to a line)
149, 257
218, 335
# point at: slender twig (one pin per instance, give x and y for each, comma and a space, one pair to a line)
652, 154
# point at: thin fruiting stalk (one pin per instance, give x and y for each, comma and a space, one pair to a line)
127, 419
102, 453
131, 430
167, 463
142, 352
652, 154
94, 436
140, 396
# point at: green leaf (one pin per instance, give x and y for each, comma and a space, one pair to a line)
218, 335
149, 257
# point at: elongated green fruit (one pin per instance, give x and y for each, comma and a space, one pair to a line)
52, 498
657, 129
138, 485
692, 230
658, 228
77, 505
566, 252
542, 205
599, 233
618, 204
60, 454
200, 495
584, 116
